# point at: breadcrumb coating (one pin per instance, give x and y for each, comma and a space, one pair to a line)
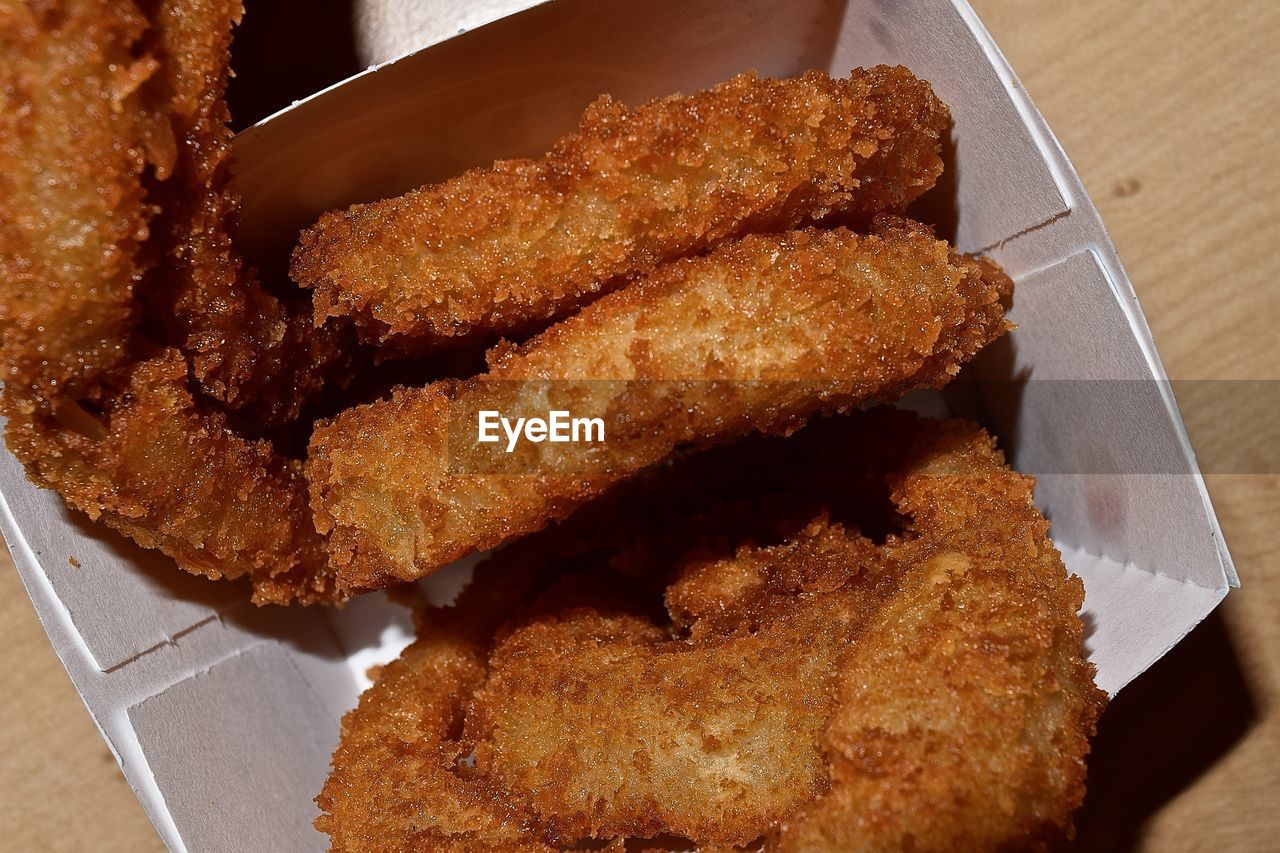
157, 468
828, 693
114, 200
248, 350
965, 709
608, 727
115, 183
757, 336
525, 241
400, 779
72, 207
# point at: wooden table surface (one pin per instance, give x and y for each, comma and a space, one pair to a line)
1169, 111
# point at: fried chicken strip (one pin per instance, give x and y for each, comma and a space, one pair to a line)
951, 713
398, 777
757, 336
826, 693
75, 139
399, 781
524, 241
248, 349
106, 214
965, 709
173, 477
609, 728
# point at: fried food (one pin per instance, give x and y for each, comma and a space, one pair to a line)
103, 217
825, 693
171, 476
81, 236
73, 212
787, 664
136, 336
757, 336
500, 249
964, 711
608, 727
247, 348
400, 778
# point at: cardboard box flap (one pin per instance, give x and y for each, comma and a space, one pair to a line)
123, 600
1132, 617
1074, 401
251, 731
387, 29
1008, 186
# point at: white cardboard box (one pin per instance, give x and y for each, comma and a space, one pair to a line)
223, 716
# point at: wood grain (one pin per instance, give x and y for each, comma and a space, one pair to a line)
1168, 110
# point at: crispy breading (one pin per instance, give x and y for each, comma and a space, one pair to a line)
826, 693
106, 214
965, 709
400, 780
158, 469
715, 597
75, 139
503, 248
247, 349
402, 774
607, 727
759, 335
116, 182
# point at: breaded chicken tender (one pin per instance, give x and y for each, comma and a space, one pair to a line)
964, 710
507, 247
402, 775
103, 221
157, 468
84, 239
400, 778
608, 727
75, 137
248, 349
824, 693
757, 336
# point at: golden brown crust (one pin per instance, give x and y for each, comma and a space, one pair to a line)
172, 477
740, 593
526, 241
399, 781
98, 207
139, 103
759, 335
965, 710
246, 348
75, 140
826, 693
606, 726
